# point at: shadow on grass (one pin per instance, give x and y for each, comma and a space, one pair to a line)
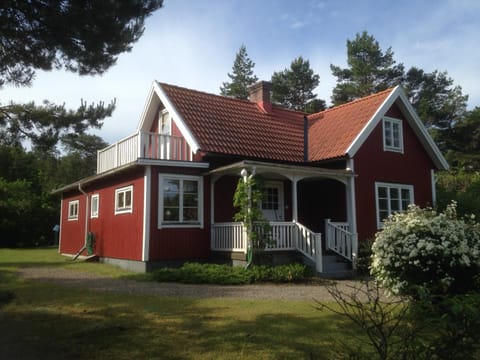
46, 321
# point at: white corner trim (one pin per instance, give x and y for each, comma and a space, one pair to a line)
147, 180
372, 123
179, 121
434, 188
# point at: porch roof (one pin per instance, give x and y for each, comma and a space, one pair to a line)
289, 171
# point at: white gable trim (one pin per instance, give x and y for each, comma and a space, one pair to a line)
412, 119
155, 96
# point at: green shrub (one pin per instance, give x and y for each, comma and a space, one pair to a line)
422, 252
195, 273
364, 259
6, 296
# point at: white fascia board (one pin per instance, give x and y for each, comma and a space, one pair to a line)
422, 132
411, 117
192, 142
150, 107
372, 123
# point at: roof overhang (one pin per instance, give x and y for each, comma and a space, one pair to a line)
292, 172
398, 97
139, 162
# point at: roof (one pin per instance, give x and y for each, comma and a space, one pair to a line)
331, 132
238, 127
217, 124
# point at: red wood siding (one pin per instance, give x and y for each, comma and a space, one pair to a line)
178, 243
116, 236
72, 231
373, 164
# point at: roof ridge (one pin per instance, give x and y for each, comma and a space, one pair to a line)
275, 106
350, 103
207, 93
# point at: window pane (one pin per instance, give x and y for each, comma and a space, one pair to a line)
383, 204
190, 186
171, 185
394, 205
128, 198
394, 194
171, 214
388, 133
190, 214
171, 199
382, 192
120, 200
406, 194
190, 200
405, 204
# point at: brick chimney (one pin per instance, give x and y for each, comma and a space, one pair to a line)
260, 93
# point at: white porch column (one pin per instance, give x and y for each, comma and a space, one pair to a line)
351, 207
294, 199
213, 179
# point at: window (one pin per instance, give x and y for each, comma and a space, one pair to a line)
270, 198
181, 199
94, 206
392, 198
73, 210
392, 134
124, 200
164, 123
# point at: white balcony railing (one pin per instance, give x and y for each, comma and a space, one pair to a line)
143, 145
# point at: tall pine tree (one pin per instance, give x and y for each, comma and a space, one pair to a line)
370, 70
293, 88
242, 76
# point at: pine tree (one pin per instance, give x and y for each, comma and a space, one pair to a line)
85, 37
242, 76
293, 88
370, 70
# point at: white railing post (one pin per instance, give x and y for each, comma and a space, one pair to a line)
354, 251
318, 253
328, 236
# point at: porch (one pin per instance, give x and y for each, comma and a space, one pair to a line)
290, 236
310, 211
143, 145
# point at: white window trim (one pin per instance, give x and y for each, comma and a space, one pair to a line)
72, 204
389, 186
183, 225
400, 134
94, 214
124, 210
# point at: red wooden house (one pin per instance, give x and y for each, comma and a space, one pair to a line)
164, 194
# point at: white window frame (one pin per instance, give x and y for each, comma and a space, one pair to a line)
94, 206
393, 122
180, 223
73, 209
126, 208
389, 186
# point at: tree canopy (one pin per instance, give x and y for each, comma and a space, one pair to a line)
242, 76
84, 36
293, 87
370, 70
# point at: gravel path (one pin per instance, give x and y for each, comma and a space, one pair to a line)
96, 282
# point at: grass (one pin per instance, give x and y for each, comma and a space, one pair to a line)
45, 321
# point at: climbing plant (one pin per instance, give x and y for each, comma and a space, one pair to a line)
248, 195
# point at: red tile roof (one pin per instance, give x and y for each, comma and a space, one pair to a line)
332, 131
238, 127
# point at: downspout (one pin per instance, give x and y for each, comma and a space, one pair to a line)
86, 221
305, 138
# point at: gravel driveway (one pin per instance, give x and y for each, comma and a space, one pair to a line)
95, 282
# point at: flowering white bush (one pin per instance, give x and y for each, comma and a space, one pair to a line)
421, 251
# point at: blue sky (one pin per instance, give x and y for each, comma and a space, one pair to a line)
193, 44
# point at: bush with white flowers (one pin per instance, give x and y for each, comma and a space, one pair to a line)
424, 252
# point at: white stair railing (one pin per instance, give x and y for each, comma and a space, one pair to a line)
340, 240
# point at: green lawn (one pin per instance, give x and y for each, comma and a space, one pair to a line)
52, 322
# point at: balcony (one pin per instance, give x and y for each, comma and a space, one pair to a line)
143, 145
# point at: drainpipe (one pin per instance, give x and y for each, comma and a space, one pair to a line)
305, 138
86, 221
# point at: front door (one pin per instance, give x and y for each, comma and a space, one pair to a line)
272, 203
